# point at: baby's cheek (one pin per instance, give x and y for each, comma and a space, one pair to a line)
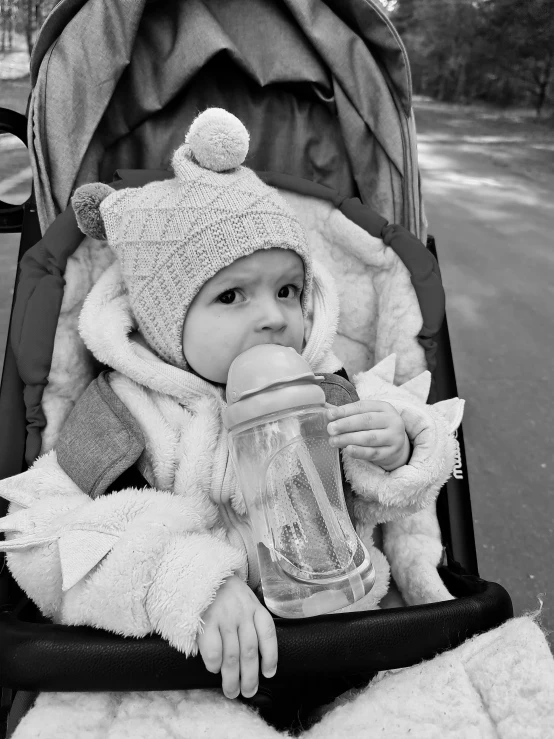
298, 333
202, 348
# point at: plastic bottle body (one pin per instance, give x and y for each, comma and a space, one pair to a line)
311, 560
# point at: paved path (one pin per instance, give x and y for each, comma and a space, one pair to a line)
494, 227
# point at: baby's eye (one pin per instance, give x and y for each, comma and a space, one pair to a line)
228, 297
288, 291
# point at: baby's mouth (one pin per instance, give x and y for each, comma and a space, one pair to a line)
263, 343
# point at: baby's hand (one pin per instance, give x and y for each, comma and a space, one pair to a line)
236, 626
372, 430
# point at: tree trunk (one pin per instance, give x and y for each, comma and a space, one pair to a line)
541, 97
29, 25
10, 30
461, 83
38, 14
443, 81
5, 11
3, 19
543, 84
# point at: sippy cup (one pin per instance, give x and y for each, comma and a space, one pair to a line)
311, 560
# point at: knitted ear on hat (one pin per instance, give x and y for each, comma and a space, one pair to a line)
86, 204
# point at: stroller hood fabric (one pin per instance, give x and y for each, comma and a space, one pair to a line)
327, 83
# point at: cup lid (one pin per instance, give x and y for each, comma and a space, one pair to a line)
266, 379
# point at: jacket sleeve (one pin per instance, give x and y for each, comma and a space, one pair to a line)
132, 562
388, 496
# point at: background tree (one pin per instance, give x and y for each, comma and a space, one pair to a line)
501, 51
24, 17
496, 50
7, 19
522, 33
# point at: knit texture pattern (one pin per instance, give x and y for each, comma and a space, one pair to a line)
172, 236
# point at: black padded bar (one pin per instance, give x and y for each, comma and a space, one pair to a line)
13, 430
50, 657
12, 403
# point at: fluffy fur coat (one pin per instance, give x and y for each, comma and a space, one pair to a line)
137, 562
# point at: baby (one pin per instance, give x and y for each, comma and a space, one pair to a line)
208, 264
258, 300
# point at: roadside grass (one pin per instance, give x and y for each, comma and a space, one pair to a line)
512, 138
483, 115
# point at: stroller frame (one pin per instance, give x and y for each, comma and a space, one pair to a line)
37, 655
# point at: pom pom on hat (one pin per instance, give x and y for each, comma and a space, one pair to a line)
217, 140
86, 204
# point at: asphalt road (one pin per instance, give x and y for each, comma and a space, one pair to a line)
493, 218
489, 205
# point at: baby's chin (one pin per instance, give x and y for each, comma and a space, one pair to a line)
212, 373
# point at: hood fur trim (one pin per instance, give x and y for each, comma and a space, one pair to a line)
109, 330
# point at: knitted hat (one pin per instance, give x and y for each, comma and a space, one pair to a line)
172, 236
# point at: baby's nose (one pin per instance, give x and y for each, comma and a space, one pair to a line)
272, 317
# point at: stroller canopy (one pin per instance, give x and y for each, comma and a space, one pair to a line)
327, 81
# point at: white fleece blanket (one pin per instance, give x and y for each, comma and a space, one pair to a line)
499, 685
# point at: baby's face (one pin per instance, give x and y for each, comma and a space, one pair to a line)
255, 300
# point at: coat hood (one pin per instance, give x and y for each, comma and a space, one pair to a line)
109, 330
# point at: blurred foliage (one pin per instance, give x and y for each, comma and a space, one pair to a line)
22, 17
500, 51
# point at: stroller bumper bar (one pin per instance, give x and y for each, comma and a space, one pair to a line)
50, 657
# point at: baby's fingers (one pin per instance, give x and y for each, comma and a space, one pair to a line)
267, 641
368, 421
359, 408
373, 438
249, 662
211, 648
369, 454
230, 668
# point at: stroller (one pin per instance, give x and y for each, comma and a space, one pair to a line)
324, 88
